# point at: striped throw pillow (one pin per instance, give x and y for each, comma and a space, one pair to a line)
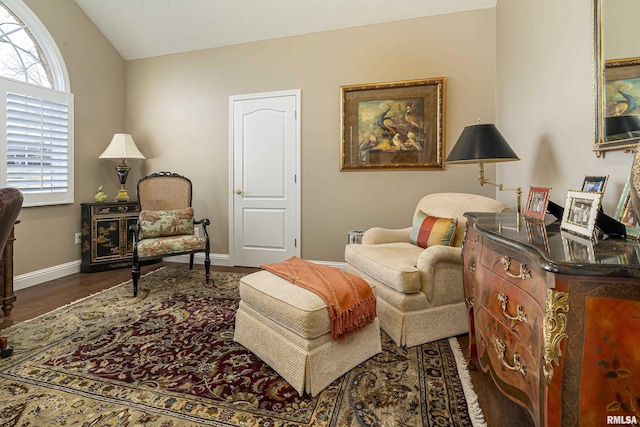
431, 230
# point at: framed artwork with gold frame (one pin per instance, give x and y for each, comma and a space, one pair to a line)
396, 125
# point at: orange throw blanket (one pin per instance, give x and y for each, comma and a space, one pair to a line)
349, 299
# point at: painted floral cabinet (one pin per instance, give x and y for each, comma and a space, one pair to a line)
106, 241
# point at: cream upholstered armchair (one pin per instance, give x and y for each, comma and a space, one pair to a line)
420, 296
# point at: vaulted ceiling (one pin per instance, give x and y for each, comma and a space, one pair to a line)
146, 28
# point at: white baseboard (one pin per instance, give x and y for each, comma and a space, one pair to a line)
223, 260
33, 278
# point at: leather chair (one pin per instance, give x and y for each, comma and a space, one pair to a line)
166, 223
420, 295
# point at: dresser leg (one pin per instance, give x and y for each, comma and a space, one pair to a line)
472, 363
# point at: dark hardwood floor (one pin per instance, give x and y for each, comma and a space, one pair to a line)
36, 300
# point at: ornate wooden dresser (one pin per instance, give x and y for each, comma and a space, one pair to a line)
555, 319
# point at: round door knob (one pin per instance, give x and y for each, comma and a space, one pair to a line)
238, 191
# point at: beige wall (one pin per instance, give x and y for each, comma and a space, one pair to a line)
531, 61
544, 99
96, 72
177, 110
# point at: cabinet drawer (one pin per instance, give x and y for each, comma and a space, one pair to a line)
515, 268
111, 209
509, 361
518, 311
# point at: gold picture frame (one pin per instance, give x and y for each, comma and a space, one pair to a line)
596, 184
395, 125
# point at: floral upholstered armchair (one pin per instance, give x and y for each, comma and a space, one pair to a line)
418, 270
166, 223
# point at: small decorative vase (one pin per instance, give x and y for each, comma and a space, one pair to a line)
100, 197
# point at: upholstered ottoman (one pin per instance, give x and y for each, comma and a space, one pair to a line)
288, 327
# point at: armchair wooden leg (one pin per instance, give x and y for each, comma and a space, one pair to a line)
207, 265
191, 261
135, 275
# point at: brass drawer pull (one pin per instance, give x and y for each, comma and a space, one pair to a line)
520, 314
501, 349
524, 271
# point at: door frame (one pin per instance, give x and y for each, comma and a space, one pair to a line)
297, 94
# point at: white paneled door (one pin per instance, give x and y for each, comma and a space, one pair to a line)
265, 178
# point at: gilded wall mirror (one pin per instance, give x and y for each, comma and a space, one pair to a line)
616, 64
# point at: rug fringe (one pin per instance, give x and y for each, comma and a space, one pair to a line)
8, 331
475, 412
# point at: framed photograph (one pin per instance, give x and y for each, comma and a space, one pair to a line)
625, 212
398, 125
595, 184
537, 202
580, 213
621, 90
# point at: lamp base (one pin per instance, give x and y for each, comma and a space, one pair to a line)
122, 195
123, 172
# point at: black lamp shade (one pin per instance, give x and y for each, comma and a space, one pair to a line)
481, 143
617, 125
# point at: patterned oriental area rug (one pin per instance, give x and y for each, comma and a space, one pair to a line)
167, 358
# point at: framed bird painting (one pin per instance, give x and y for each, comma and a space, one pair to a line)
396, 125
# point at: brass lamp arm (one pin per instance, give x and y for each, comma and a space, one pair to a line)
482, 180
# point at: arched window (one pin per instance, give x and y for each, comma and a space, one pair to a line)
36, 110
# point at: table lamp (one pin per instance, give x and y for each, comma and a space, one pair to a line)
483, 143
122, 147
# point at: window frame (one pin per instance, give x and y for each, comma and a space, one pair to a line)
42, 36
61, 88
38, 198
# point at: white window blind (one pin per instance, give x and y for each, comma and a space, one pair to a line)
37, 143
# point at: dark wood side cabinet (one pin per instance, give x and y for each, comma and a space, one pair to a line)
555, 319
106, 241
7, 297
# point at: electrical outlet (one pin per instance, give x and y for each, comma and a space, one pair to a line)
78, 238
196, 231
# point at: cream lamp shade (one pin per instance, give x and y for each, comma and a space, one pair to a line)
122, 147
